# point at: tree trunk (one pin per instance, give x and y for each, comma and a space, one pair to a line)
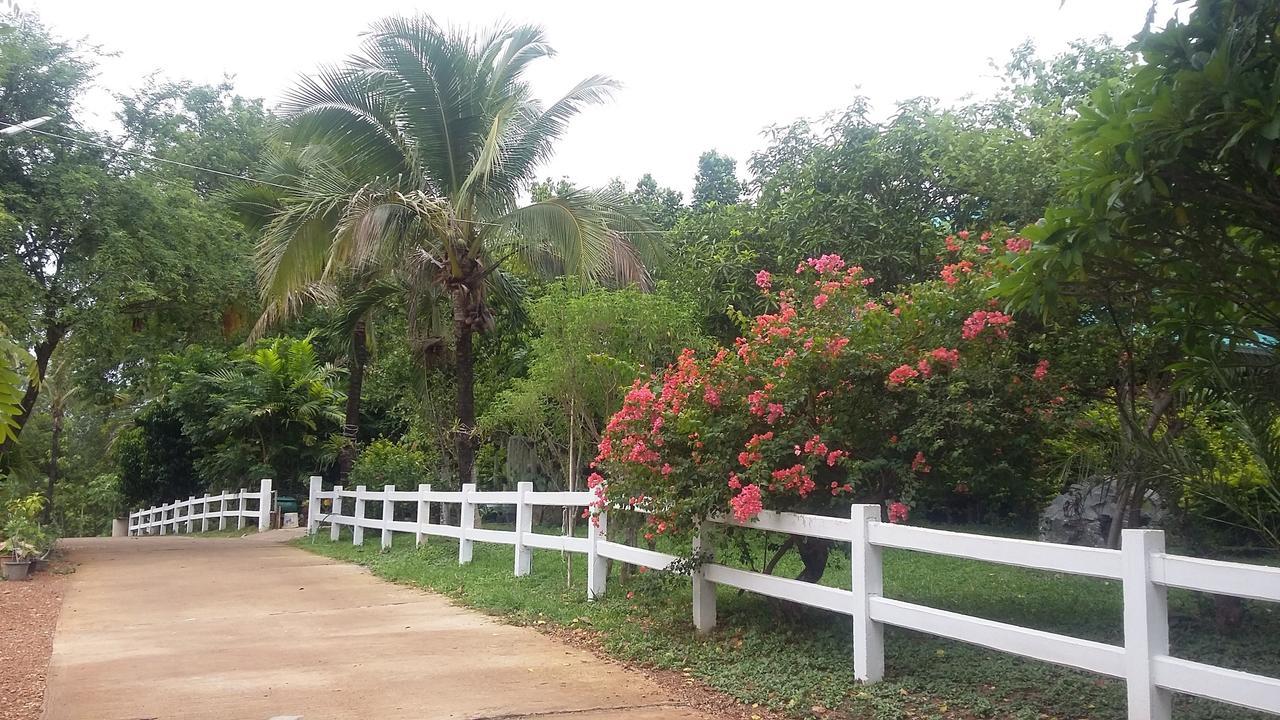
814, 554
355, 384
464, 313
56, 413
53, 335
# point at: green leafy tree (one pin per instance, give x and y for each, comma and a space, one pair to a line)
1174, 192
716, 181
664, 205
228, 418
414, 154
588, 348
92, 249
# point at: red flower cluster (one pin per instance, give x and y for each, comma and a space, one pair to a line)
747, 503
902, 373
948, 273
794, 478
1041, 371
898, 512
982, 319
1017, 245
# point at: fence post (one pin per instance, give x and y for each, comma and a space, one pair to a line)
357, 529
388, 510
704, 591
191, 516
1146, 624
335, 511
240, 509
424, 515
466, 522
524, 525
222, 510
313, 505
264, 505
868, 582
173, 517
204, 514
597, 564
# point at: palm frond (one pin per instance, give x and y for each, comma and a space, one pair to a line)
575, 235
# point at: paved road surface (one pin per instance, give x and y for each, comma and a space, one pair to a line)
251, 629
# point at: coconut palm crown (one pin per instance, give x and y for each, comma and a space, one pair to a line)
410, 159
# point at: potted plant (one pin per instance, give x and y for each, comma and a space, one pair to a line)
23, 537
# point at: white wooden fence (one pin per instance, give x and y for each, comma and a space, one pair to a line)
1142, 567
182, 515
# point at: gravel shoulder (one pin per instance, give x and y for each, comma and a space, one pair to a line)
28, 617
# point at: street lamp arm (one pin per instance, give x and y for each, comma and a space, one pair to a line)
25, 125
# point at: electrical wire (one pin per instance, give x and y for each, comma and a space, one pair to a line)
246, 178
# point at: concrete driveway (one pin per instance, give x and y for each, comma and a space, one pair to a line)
251, 628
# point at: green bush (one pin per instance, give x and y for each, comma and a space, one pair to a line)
384, 462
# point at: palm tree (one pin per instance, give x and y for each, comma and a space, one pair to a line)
409, 160
279, 400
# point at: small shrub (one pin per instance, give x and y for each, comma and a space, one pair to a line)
384, 462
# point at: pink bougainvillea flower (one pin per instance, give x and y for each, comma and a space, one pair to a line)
949, 272
764, 280
775, 412
826, 263
902, 373
982, 319
1017, 245
747, 503
898, 512
919, 464
983, 249
946, 356
820, 300
1042, 370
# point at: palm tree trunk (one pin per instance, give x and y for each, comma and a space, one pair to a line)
355, 384
464, 366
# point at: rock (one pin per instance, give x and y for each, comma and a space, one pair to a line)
1082, 515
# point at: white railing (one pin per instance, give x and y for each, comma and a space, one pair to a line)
182, 515
1142, 567
467, 531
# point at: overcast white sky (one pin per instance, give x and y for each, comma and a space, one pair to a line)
697, 74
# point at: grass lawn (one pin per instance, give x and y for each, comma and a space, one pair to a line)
799, 660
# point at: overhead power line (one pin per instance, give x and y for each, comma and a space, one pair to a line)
26, 127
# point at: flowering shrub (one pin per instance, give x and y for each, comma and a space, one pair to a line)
837, 396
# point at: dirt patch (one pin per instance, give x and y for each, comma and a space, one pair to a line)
28, 616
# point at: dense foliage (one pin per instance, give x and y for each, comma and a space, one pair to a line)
413, 320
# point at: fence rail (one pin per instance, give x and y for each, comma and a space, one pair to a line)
1142, 567
171, 518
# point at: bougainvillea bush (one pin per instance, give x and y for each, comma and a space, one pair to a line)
841, 395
